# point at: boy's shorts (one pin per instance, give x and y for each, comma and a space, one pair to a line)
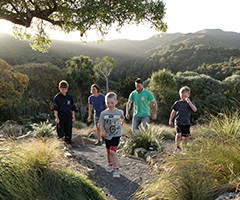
114, 142
184, 130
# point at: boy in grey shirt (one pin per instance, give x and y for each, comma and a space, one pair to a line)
182, 109
111, 121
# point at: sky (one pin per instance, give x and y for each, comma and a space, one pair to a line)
184, 16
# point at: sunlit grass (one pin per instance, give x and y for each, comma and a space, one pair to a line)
210, 167
36, 169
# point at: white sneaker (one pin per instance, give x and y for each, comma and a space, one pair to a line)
178, 149
109, 168
116, 174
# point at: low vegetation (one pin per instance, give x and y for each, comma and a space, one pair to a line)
210, 167
36, 170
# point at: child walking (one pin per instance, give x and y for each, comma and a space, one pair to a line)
64, 112
110, 122
181, 110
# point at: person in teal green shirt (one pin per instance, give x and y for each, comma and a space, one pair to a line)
141, 110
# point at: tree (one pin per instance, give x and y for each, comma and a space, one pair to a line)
164, 88
80, 77
78, 15
43, 85
104, 67
12, 86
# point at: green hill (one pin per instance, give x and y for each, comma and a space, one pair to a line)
177, 52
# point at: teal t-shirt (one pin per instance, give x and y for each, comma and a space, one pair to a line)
141, 102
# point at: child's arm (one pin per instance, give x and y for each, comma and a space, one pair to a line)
193, 107
103, 131
73, 116
171, 117
56, 116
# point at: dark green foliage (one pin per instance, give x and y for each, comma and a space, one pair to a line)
80, 75
126, 86
164, 88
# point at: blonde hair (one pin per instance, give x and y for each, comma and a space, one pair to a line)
184, 89
111, 95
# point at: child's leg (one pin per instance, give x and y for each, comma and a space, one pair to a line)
113, 153
178, 139
184, 142
109, 156
68, 129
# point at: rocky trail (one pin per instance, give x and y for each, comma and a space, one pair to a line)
134, 171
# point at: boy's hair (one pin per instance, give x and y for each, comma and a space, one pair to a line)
63, 84
111, 95
138, 80
96, 86
184, 89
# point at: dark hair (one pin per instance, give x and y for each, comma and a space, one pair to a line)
96, 86
138, 80
63, 84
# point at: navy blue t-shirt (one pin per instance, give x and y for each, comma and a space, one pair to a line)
98, 103
63, 103
183, 112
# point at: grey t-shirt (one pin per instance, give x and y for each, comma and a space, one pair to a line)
111, 122
183, 112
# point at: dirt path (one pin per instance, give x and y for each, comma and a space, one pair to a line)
134, 172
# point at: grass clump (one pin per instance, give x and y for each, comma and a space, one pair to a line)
79, 125
36, 170
43, 129
148, 140
210, 167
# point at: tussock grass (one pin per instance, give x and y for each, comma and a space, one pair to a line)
79, 125
210, 167
43, 129
36, 170
148, 140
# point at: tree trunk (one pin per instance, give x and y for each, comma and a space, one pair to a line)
107, 84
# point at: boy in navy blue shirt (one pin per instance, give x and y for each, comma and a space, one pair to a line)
182, 109
64, 112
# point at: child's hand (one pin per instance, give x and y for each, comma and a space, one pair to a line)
73, 118
170, 122
105, 135
57, 120
188, 100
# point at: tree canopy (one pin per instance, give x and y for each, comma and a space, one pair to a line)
78, 15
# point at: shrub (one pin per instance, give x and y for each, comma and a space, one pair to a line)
79, 125
44, 129
11, 129
145, 139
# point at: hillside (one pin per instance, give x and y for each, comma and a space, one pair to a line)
177, 52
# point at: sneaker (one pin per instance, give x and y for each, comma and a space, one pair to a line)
109, 168
116, 174
99, 142
178, 149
